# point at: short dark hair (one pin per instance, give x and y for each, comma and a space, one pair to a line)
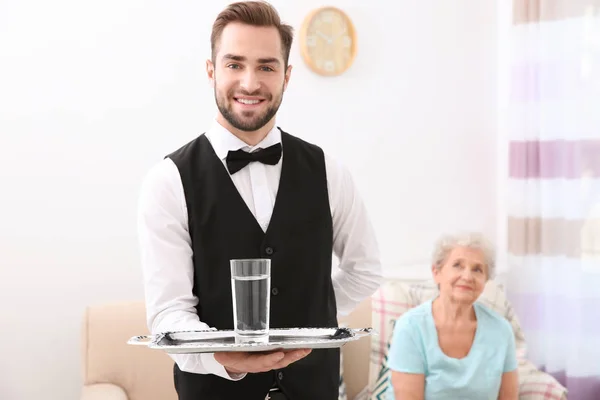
255, 13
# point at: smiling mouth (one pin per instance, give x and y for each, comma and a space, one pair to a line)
248, 102
464, 287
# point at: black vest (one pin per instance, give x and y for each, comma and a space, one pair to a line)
299, 243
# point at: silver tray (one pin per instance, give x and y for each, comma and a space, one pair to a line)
210, 341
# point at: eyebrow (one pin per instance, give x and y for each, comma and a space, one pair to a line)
267, 60
463, 260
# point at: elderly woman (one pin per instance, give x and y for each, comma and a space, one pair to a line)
453, 347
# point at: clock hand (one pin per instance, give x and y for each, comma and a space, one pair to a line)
327, 38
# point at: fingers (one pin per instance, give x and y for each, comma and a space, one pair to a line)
265, 362
291, 357
259, 362
256, 362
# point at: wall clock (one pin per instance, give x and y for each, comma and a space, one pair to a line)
328, 41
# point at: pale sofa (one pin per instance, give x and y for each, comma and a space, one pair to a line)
114, 370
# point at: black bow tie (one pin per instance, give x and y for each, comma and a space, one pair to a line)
238, 159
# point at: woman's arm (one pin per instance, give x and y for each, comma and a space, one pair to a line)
509, 387
406, 360
408, 386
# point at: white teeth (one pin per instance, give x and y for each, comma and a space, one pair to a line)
246, 101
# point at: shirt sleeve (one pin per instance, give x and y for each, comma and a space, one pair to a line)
406, 351
167, 267
510, 362
359, 272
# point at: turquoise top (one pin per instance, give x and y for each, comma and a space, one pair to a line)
415, 349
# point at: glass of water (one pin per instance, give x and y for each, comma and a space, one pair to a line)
251, 289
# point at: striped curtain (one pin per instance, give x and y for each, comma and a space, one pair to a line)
553, 187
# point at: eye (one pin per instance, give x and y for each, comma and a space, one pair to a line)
456, 264
267, 69
233, 66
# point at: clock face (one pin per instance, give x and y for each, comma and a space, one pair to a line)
328, 41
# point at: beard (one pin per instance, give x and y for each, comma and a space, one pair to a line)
247, 121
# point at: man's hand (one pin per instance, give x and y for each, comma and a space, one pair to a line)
240, 362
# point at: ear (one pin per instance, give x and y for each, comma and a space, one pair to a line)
210, 72
286, 79
435, 271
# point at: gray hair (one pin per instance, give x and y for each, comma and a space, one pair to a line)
472, 240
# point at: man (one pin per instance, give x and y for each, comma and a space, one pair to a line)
206, 203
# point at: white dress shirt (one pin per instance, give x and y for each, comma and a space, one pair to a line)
166, 248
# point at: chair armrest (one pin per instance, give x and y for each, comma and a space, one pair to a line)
103, 391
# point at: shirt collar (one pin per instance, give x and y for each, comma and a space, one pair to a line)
224, 141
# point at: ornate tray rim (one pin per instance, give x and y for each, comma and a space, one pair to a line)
320, 341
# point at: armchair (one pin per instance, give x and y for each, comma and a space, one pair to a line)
114, 370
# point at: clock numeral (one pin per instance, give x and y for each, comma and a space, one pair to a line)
329, 66
346, 41
326, 17
311, 41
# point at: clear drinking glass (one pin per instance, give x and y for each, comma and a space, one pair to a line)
251, 289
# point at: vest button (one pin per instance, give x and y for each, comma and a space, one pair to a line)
280, 375
274, 291
269, 251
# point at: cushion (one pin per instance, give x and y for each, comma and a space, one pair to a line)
102, 391
389, 302
538, 385
396, 297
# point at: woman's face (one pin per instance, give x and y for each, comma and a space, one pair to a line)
463, 275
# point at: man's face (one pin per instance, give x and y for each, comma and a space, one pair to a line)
248, 75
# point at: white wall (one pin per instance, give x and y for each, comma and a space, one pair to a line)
93, 93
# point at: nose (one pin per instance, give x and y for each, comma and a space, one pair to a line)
467, 274
250, 82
